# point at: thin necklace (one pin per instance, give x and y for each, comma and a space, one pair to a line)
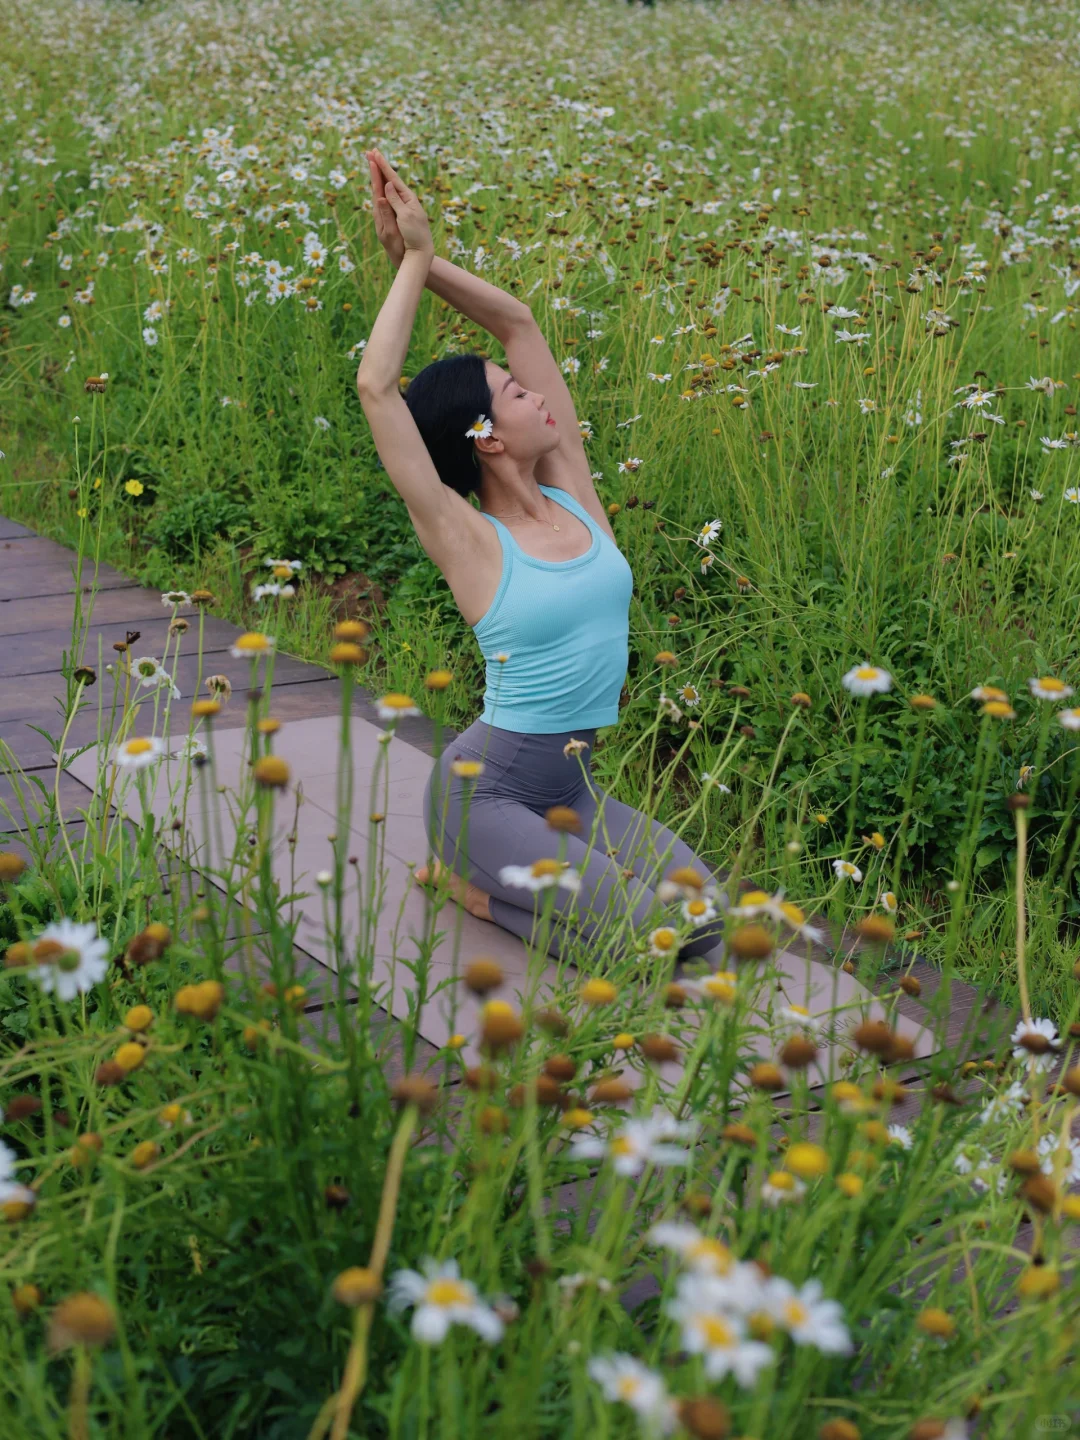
520, 515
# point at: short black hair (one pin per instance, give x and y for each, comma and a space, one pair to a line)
444, 399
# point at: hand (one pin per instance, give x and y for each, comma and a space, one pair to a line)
386, 226
401, 210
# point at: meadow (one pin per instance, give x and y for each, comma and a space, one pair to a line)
811, 271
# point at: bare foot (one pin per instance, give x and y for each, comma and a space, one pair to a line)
470, 896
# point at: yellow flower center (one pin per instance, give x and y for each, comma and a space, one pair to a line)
545, 867
795, 1312
780, 1181
627, 1387
793, 914
719, 987
252, 642
621, 1146
715, 1252
664, 938
715, 1331
754, 897
139, 746
866, 672
697, 907
1049, 683
446, 1292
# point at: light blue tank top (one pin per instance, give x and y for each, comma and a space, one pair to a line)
566, 627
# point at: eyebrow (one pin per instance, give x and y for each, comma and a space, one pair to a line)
511, 381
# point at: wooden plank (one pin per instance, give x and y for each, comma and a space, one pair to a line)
74, 797
9, 530
126, 607
53, 577
41, 651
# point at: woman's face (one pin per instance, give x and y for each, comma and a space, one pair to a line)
519, 418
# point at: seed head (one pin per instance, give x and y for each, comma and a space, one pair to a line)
483, 974
613, 1091
1040, 1192
547, 1091
345, 653
704, 1418
660, 1049
500, 1025
82, 1319
357, 1286
109, 1072
271, 771
798, 1052
801, 700
416, 1090
26, 1299
438, 679
493, 1121
874, 1036
11, 866
481, 1077
765, 1076
336, 1197
563, 818
736, 1134
839, 1429
877, 929
751, 942
936, 1322
144, 1153
202, 1001
560, 1067
552, 1022
911, 985
354, 630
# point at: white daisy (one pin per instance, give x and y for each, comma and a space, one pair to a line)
540, 875
807, 1317
639, 1143
867, 680
781, 1187
1048, 688
480, 429
718, 1336
1006, 1104
1068, 1157
1070, 719
175, 599
626, 1380
138, 752
1072, 494
441, 1299
844, 869
1046, 1030
708, 532
900, 1135
702, 1253
72, 959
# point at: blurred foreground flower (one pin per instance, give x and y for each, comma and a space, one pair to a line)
441, 1299
71, 959
639, 1143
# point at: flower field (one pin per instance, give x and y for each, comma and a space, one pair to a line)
812, 272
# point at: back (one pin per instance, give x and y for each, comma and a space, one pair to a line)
565, 626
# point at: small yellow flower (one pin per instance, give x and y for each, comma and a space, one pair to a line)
145, 1152
936, 1321
849, 1184
598, 992
806, 1160
456, 1042
139, 1017
133, 487
130, 1055
623, 1041
577, 1118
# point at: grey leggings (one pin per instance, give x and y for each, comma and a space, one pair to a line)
523, 776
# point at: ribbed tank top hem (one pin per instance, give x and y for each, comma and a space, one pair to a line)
529, 722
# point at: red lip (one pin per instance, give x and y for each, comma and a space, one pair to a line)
549, 420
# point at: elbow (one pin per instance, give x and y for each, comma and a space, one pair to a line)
368, 386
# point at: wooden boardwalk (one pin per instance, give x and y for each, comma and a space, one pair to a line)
37, 596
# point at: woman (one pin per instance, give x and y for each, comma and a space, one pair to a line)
537, 574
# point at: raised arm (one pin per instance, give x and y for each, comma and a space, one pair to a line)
399, 443
511, 322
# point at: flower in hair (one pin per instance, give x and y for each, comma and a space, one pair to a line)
480, 429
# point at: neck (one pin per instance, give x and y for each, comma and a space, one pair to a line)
520, 499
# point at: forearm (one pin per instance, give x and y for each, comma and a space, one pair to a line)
484, 304
388, 343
